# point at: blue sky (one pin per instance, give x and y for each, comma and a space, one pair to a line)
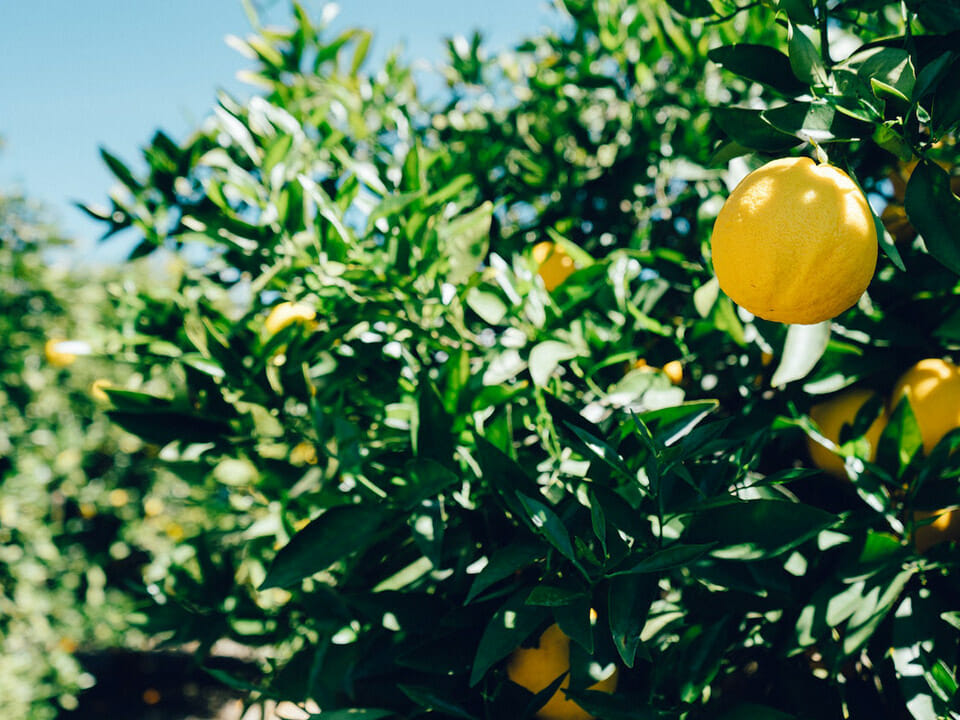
78, 74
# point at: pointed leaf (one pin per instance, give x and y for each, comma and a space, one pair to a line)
337, 533
802, 350
934, 211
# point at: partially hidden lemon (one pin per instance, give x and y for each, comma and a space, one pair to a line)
673, 369
944, 527
535, 668
795, 242
554, 265
55, 356
830, 416
287, 313
933, 388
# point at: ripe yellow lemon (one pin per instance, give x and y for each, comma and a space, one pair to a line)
946, 526
795, 242
933, 388
830, 416
55, 356
287, 313
535, 668
553, 264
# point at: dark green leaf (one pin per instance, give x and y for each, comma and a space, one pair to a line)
748, 128
162, 427
677, 555
760, 63
502, 564
800, 12
510, 625
337, 533
757, 528
432, 429
629, 602
820, 122
692, 8
805, 59
549, 525
934, 211
430, 699
900, 440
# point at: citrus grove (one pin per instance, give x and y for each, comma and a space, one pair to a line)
596, 387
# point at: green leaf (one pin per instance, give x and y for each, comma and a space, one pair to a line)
491, 309
937, 15
162, 427
945, 109
432, 436
358, 714
900, 440
426, 478
510, 625
502, 564
673, 423
880, 596
120, 171
800, 12
934, 211
760, 63
337, 533
805, 60
429, 699
820, 122
546, 356
549, 525
692, 8
629, 602
551, 596
748, 128
802, 349
465, 240
677, 555
756, 529
600, 451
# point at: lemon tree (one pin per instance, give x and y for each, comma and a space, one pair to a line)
391, 368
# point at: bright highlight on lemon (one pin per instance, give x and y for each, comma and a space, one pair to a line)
795, 242
933, 388
535, 668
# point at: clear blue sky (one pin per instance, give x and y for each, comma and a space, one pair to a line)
78, 74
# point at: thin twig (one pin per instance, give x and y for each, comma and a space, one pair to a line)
740, 9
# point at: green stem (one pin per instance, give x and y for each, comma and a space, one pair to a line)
824, 39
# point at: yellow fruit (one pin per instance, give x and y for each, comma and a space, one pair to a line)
830, 417
673, 369
795, 242
287, 313
303, 453
553, 264
535, 668
945, 527
98, 389
55, 356
933, 388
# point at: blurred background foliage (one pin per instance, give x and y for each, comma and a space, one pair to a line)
359, 428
